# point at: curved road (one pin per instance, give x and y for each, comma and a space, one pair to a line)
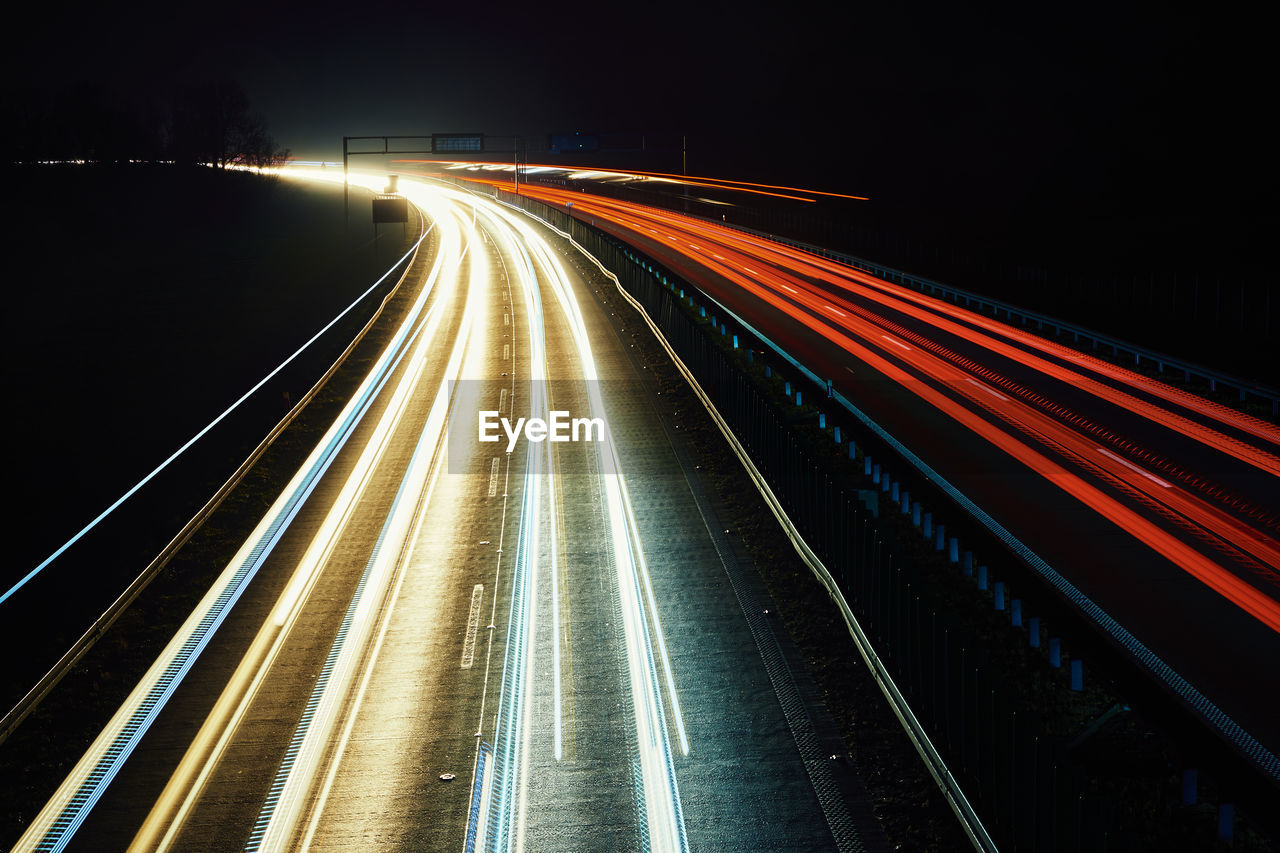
453, 644
1161, 507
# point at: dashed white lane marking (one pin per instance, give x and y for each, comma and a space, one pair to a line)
493, 477
896, 342
993, 392
1126, 463
473, 624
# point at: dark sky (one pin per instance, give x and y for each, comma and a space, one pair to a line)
948, 102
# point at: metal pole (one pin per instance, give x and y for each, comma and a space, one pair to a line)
346, 187
684, 167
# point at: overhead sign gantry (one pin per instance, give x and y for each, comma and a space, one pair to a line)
432, 143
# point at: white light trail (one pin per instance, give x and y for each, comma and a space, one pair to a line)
663, 809
58, 821
204, 430
302, 785
278, 823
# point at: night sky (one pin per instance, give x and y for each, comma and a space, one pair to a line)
1010, 107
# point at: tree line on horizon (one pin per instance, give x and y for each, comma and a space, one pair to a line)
206, 123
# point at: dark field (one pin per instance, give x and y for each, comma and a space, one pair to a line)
143, 301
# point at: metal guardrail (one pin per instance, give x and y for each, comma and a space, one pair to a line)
947, 783
54, 827
1015, 314
1243, 744
1225, 726
28, 703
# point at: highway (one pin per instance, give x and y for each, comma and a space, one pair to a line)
445, 643
1161, 507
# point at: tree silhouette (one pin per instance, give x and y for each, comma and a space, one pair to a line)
213, 123
207, 123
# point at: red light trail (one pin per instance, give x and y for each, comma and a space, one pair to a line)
1112, 480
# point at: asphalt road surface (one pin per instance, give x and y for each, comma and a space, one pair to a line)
442, 643
1162, 508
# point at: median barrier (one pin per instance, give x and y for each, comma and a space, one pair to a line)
1025, 780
